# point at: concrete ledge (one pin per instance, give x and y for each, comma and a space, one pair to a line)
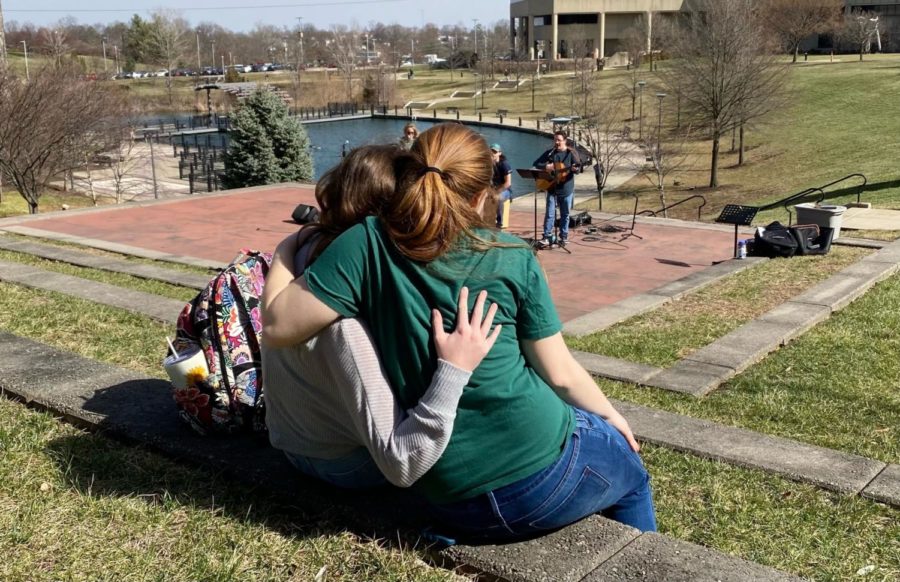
655, 558
801, 316
83, 259
837, 292
885, 487
744, 346
612, 314
691, 377
116, 247
700, 279
625, 309
567, 555
826, 468
621, 370
154, 306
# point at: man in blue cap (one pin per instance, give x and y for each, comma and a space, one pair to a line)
502, 180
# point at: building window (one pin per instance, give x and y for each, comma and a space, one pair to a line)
578, 19
545, 20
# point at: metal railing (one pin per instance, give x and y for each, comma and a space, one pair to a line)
665, 209
822, 195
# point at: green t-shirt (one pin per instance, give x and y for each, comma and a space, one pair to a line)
509, 423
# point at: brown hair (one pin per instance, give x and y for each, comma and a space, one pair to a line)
354, 189
448, 168
411, 126
562, 133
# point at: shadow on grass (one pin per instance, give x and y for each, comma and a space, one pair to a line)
240, 475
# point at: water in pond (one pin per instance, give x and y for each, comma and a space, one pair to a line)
327, 139
520, 148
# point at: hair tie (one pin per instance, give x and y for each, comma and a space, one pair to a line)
434, 169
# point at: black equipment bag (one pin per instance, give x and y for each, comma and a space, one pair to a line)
576, 220
775, 241
304, 213
811, 239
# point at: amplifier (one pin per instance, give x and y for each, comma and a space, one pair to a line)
576, 220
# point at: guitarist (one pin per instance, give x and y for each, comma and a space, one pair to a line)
561, 163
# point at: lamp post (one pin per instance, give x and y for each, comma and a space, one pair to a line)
641, 84
659, 96
212, 64
367, 49
103, 45
25, 48
116, 52
199, 65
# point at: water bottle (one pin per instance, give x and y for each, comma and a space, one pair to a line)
742, 249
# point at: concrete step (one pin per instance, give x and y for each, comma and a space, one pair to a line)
153, 306
74, 256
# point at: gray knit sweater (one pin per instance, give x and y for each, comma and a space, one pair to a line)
330, 395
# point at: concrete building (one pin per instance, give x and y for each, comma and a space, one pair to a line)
551, 29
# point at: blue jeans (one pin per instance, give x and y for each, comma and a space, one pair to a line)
596, 473
356, 470
564, 201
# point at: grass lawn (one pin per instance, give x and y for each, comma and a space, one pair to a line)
671, 332
835, 386
12, 203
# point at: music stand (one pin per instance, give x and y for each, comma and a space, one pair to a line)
534, 174
737, 215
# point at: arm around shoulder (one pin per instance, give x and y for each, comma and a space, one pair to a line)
291, 313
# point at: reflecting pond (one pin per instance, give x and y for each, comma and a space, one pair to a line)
521, 148
328, 137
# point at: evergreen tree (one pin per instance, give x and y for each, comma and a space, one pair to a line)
267, 145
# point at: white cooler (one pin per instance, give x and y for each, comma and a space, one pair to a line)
825, 216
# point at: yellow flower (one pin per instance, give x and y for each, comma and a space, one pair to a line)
195, 376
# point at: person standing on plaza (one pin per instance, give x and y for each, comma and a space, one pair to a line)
561, 163
501, 180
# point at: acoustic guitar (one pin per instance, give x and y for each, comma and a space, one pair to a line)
557, 176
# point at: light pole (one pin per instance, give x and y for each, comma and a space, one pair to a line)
300, 26
105, 64
212, 51
367, 49
641, 114
659, 96
116, 51
199, 65
25, 48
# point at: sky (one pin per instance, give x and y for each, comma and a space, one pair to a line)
242, 15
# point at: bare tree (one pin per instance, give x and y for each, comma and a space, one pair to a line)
2, 41
662, 157
634, 41
603, 135
344, 49
796, 20
48, 126
166, 42
54, 41
124, 162
858, 29
726, 73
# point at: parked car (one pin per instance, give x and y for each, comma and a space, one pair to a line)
161, 73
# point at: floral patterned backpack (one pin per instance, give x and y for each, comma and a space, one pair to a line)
224, 322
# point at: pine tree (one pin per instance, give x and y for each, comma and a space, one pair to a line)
267, 145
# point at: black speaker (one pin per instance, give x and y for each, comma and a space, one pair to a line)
304, 214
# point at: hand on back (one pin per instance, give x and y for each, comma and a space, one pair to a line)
472, 339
